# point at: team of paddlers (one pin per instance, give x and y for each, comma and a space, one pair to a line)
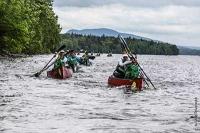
126, 68
70, 59
128, 72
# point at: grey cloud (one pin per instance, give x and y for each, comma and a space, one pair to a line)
133, 3
175, 24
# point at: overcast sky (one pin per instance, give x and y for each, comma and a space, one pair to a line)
173, 21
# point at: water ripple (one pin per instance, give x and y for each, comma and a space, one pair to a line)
85, 103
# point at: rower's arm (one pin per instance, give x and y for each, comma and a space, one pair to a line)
125, 63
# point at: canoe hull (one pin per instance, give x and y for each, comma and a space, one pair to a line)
138, 82
61, 73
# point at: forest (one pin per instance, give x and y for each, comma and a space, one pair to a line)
105, 44
28, 27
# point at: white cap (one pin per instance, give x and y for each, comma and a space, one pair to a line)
62, 51
125, 55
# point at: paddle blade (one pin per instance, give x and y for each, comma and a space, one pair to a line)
37, 74
91, 57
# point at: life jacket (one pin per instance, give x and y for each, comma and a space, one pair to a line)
128, 71
132, 71
58, 63
71, 60
85, 60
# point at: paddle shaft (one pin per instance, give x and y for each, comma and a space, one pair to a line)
144, 80
47, 64
44, 68
132, 57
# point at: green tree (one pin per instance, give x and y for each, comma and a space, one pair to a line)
28, 26
105, 44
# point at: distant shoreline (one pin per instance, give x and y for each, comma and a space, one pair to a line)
13, 56
18, 56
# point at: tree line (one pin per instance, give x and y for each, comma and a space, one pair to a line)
105, 44
28, 26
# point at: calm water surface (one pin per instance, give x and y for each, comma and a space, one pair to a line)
85, 103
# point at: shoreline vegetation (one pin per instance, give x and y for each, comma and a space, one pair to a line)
28, 27
7, 55
105, 44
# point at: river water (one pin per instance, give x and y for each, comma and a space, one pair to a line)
86, 104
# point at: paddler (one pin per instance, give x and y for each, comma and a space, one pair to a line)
61, 60
126, 68
72, 60
85, 59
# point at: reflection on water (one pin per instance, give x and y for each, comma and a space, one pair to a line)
85, 103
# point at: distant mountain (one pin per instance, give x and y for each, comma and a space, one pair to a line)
183, 50
106, 32
191, 47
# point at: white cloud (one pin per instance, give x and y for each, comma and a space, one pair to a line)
173, 23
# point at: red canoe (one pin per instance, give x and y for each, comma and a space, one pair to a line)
137, 83
61, 73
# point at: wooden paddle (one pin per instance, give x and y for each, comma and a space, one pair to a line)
125, 46
44, 68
